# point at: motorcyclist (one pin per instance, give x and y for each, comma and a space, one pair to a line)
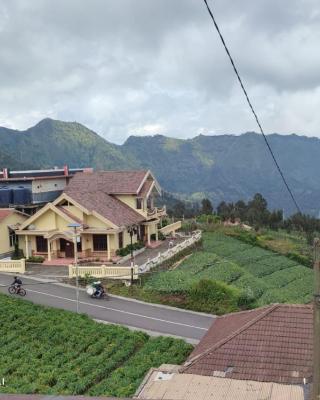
99, 289
17, 283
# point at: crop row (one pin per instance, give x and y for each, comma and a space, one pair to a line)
50, 351
266, 275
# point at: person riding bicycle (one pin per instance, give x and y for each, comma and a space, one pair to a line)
17, 283
99, 289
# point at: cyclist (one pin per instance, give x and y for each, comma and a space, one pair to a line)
17, 283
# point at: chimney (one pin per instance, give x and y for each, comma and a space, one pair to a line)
65, 170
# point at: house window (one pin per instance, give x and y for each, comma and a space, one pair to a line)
42, 244
100, 243
139, 203
120, 240
12, 237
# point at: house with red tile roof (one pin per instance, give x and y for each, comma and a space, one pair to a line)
106, 205
10, 221
268, 344
265, 353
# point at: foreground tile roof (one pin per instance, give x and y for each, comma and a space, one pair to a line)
110, 182
271, 344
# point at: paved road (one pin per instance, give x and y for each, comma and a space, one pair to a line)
139, 315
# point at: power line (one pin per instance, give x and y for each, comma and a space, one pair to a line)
251, 107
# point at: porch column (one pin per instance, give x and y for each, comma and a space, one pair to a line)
108, 247
157, 233
26, 241
49, 251
148, 235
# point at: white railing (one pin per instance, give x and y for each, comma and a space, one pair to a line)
18, 266
157, 212
170, 228
104, 271
161, 257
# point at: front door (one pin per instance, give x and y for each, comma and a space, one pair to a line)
69, 249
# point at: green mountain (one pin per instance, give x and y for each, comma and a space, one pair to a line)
223, 167
52, 142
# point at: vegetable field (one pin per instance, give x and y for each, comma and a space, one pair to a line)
48, 351
267, 276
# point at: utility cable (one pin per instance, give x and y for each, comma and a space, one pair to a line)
252, 109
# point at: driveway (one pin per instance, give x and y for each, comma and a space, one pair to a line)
153, 318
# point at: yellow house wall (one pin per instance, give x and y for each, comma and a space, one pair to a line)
13, 219
131, 201
94, 222
75, 211
45, 221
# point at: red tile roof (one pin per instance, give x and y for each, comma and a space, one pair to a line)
95, 191
145, 188
272, 344
107, 206
5, 212
110, 182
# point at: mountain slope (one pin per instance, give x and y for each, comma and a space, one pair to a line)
52, 142
223, 167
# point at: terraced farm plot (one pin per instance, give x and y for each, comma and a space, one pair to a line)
48, 351
269, 276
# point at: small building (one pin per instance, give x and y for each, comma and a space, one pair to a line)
10, 221
108, 206
30, 190
265, 353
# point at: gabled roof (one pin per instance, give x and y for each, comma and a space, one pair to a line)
271, 344
106, 206
5, 212
110, 182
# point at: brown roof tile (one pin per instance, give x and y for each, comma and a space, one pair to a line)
271, 344
110, 182
107, 206
145, 188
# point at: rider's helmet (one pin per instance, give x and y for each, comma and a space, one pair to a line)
15, 277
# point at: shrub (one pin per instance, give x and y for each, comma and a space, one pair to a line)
153, 236
214, 296
18, 253
161, 236
36, 259
87, 279
300, 258
127, 250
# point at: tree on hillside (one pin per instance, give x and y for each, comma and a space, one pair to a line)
179, 209
206, 207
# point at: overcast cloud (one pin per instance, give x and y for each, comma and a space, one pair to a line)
142, 67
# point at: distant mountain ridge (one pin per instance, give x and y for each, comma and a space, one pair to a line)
223, 167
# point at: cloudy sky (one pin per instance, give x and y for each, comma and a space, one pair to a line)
144, 67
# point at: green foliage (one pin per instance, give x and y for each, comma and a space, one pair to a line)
87, 279
206, 207
213, 296
59, 352
18, 253
36, 259
127, 250
259, 274
161, 236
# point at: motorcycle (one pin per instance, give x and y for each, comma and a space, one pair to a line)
91, 291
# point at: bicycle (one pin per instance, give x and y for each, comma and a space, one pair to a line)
17, 290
